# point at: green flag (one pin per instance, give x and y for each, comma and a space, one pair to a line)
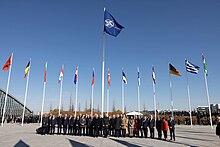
204, 65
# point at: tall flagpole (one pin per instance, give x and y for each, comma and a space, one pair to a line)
61, 89
25, 97
6, 94
190, 109
139, 109
207, 93
155, 108
122, 98
42, 107
171, 96
76, 97
92, 105
107, 100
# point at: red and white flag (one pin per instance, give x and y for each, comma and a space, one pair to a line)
61, 74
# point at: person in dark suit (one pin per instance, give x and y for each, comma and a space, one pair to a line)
105, 123
151, 126
77, 126
59, 124
87, 125
96, 123
140, 126
74, 125
90, 125
44, 125
117, 126
65, 123
112, 125
70, 125
171, 124
53, 124
158, 127
49, 124
145, 124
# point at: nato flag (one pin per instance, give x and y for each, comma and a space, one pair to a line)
111, 26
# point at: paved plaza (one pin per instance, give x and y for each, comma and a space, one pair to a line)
18, 136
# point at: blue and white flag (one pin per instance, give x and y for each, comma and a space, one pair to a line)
111, 26
192, 68
153, 75
139, 79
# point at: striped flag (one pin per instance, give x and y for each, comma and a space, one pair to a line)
93, 77
61, 74
124, 77
153, 75
8, 63
139, 79
204, 65
27, 69
192, 68
109, 78
76, 76
45, 73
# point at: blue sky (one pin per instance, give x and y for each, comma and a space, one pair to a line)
70, 33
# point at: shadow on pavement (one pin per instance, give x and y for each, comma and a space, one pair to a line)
124, 143
21, 144
78, 144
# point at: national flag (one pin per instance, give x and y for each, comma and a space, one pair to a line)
174, 71
109, 78
204, 65
111, 26
93, 77
8, 63
61, 74
76, 76
27, 69
192, 68
124, 77
153, 76
45, 73
139, 79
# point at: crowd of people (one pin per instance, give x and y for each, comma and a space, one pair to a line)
115, 125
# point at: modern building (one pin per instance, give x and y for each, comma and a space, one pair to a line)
14, 107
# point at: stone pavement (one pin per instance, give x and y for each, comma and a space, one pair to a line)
18, 136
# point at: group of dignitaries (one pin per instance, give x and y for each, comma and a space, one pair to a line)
115, 125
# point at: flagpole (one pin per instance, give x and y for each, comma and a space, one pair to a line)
171, 96
122, 97
103, 70
61, 88
107, 100
155, 109
6, 94
92, 100
139, 110
76, 96
25, 97
207, 93
42, 107
190, 109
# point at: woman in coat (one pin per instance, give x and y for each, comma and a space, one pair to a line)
131, 126
124, 125
136, 129
164, 127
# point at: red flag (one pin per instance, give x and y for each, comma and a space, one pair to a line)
45, 73
109, 79
7, 64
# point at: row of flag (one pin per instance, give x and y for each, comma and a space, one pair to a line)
190, 67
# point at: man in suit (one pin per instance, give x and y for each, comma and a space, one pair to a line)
65, 123
105, 123
145, 124
117, 126
82, 121
53, 124
158, 127
70, 125
96, 123
151, 126
140, 126
49, 123
44, 124
59, 124
171, 125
